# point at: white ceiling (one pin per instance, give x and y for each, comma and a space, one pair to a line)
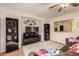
40, 9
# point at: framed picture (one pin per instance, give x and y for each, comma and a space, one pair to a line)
63, 26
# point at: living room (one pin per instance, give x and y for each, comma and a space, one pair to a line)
47, 34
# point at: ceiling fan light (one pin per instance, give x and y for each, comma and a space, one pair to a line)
66, 4
62, 5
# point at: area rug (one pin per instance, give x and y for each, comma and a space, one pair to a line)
41, 45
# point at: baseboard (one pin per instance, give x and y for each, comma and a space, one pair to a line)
58, 42
55, 42
2, 53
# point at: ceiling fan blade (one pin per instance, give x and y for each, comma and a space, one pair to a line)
54, 6
74, 4
60, 9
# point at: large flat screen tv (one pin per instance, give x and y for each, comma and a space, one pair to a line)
32, 29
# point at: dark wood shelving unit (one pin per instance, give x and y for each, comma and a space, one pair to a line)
46, 32
11, 34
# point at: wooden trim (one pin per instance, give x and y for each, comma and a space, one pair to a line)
2, 53
57, 42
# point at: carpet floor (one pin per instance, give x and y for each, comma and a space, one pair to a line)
40, 45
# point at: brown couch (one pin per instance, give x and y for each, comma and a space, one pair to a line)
68, 53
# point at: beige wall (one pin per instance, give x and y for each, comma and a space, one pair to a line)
5, 12
0, 32
55, 36
61, 36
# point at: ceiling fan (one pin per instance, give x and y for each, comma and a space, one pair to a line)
64, 5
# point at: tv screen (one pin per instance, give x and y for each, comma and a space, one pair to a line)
32, 29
